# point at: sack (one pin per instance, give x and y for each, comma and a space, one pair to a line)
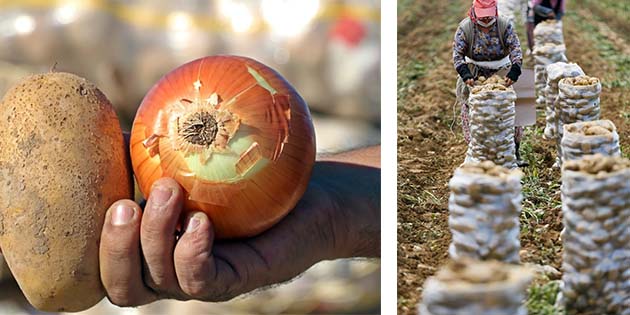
589, 137
512, 9
578, 100
480, 191
549, 53
476, 287
596, 241
548, 32
554, 73
492, 114
544, 55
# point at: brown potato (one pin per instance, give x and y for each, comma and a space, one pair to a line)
62, 164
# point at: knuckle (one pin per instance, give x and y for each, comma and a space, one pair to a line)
152, 233
119, 251
196, 288
194, 276
120, 297
157, 279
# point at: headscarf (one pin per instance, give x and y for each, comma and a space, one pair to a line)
482, 8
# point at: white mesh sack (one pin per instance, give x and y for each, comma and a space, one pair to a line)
548, 32
596, 213
589, 137
484, 210
511, 9
544, 55
476, 288
555, 72
578, 100
492, 115
540, 81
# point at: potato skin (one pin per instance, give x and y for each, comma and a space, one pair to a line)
62, 164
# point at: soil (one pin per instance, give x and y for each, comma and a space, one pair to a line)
431, 144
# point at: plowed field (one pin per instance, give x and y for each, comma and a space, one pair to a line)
431, 145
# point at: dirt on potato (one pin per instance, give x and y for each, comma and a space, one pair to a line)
62, 165
431, 144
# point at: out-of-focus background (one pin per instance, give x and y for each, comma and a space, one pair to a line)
328, 49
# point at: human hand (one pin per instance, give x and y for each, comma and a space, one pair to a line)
470, 82
552, 15
143, 260
508, 81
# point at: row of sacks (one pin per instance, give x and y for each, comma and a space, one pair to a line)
562, 88
595, 192
548, 48
484, 211
484, 277
570, 96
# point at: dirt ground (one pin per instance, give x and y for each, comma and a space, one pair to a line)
431, 145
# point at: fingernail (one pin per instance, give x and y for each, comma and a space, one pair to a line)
194, 222
122, 215
160, 195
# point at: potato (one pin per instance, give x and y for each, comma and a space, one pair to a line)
5, 273
62, 164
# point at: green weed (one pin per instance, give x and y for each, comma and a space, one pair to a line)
542, 299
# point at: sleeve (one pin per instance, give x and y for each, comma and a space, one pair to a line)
542, 10
559, 15
514, 45
459, 48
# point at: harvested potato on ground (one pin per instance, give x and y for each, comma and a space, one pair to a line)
62, 164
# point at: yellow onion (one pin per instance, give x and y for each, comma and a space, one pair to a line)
236, 136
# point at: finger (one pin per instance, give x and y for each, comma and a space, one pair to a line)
215, 272
157, 235
119, 256
202, 275
192, 255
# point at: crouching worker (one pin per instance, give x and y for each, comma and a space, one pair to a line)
541, 10
486, 44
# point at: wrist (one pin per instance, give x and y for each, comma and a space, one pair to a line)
515, 72
464, 72
354, 192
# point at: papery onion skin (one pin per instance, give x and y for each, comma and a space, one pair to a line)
248, 183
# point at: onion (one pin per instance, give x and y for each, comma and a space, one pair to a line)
237, 137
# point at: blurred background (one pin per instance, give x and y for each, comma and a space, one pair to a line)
329, 50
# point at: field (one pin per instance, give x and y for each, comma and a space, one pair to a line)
431, 144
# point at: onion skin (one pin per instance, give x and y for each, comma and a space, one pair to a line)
265, 139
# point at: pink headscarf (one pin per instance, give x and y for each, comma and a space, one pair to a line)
483, 8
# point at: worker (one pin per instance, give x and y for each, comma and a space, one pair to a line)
486, 44
541, 10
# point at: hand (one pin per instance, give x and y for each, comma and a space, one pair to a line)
552, 15
142, 260
470, 82
508, 81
